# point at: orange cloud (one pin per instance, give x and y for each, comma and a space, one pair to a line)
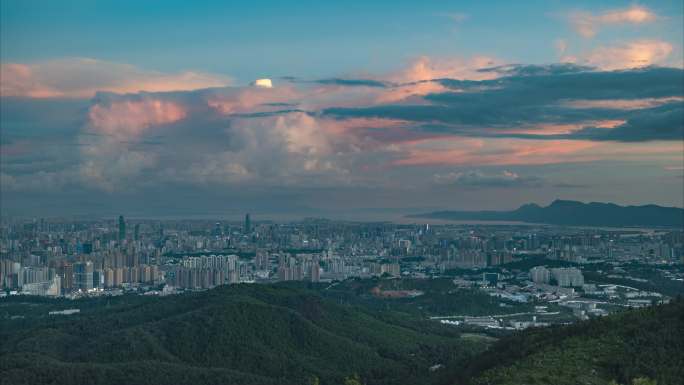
83, 77
640, 53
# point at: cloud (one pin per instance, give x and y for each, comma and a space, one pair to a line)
211, 137
83, 78
588, 24
427, 68
345, 133
457, 17
538, 96
130, 117
353, 82
476, 179
664, 122
461, 151
519, 70
622, 104
561, 46
532, 151
635, 54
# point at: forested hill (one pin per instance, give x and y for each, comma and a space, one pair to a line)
240, 334
280, 334
643, 347
573, 213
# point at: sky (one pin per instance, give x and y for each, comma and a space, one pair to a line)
151, 108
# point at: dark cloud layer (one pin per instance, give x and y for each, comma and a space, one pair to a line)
661, 123
534, 95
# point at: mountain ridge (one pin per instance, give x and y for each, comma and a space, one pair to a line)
574, 213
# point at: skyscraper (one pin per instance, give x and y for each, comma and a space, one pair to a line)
122, 228
136, 231
67, 274
83, 275
248, 224
315, 271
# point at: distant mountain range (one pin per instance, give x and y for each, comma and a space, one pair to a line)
573, 213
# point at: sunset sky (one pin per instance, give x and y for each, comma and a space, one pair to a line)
150, 108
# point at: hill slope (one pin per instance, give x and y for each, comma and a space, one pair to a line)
645, 343
242, 334
259, 334
572, 213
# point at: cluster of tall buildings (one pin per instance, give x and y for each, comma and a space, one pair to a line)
563, 276
298, 268
204, 272
63, 257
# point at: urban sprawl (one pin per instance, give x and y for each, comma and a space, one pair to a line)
566, 273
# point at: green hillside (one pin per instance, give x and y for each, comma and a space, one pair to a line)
290, 334
643, 346
243, 334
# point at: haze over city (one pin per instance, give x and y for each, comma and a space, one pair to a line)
359, 110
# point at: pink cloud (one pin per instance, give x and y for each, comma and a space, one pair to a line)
621, 104
252, 99
426, 68
130, 118
408, 91
560, 128
504, 151
83, 77
20, 80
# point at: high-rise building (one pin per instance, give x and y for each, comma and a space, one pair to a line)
540, 274
315, 271
122, 228
248, 224
83, 275
217, 229
67, 271
136, 232
568, 277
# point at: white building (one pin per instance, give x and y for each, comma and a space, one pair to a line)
540, 274
568, 277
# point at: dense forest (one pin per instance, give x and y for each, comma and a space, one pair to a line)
644, 346
242, 334
294, 334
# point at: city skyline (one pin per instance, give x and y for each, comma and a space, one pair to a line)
364, 111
